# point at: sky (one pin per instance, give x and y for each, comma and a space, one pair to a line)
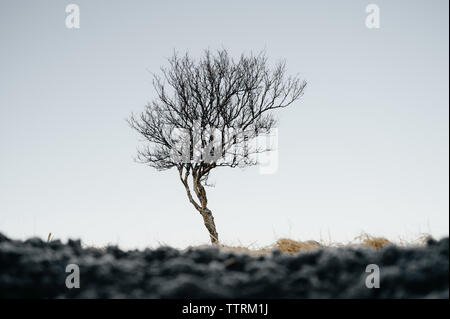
365, 150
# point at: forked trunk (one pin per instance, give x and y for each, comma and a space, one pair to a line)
210, 225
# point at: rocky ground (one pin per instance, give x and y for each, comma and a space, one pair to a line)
37, 269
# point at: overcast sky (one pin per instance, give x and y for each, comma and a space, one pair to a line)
366, 149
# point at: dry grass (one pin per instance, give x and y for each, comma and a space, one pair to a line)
247, 250
285, 245
372, 241
290, 246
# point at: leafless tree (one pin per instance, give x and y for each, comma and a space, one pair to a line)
205, 113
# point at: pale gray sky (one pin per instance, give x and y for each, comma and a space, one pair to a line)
365, 150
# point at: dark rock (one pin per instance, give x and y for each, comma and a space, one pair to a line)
3, 238
37, 269
35, 242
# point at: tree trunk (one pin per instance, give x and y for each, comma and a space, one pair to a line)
200, 207
210, 225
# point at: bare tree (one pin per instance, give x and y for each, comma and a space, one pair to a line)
206, 114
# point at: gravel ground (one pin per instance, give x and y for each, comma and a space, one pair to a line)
36, 269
